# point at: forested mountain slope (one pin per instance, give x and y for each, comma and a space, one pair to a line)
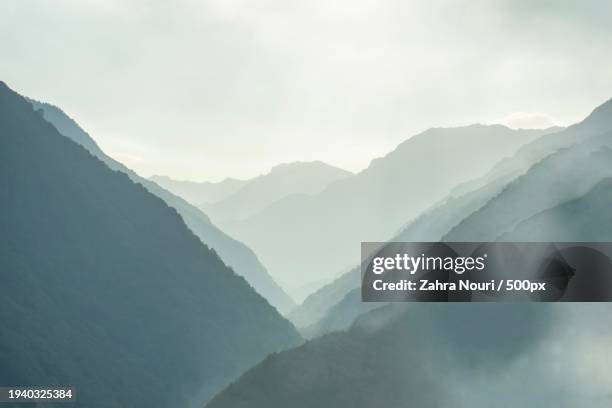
104, 288
234, 253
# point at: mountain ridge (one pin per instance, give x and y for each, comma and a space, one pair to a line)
198, 192
233, 252
104, 287
314, 315
282, 181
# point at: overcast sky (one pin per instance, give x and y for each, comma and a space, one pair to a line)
206, 89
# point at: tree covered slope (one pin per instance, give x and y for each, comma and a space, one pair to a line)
234, 253
103, 286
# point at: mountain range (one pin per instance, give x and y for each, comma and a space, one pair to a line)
284, 180
234, 253
105, 288
120, 288
540, 177
232, 200
199, 193
307, 238
557, 188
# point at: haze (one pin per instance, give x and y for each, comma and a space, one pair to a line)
205, 90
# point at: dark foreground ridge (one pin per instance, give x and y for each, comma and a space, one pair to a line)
104, 288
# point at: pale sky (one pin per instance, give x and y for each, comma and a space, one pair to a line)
202, 90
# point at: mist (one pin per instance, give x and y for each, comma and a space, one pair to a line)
205, 90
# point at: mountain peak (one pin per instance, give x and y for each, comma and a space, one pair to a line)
306, 165
282, 181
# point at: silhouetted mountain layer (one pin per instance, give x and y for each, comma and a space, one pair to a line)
472, 196
584, 219
283, 180
543, 174
104, 288
340, 315
198, 193
314, 237
579, 161
462, 355
306, 315
234, 253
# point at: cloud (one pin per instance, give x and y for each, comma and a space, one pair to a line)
566, 365
268, 81
528, 120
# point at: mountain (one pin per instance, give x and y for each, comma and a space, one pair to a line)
309, 238
470, 197
340, 315
587, 218
282, 181
234, 253
335, 305
317, 304
442, 355
542, 174
568, 172
198, 193
103, 287
432, 355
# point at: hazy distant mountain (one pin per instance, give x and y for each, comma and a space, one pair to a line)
233, 253
104, 288
335, 305
545, 173
441, 355
432, 355
584, 168
283, 180
565, 174
309, 238
340, 315
317, 304
471, 196
585, 219
198, 193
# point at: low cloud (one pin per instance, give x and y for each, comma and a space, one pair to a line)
528, 120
